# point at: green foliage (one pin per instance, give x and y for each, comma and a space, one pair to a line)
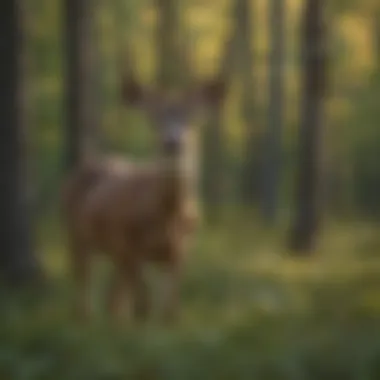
366, 150
248, 312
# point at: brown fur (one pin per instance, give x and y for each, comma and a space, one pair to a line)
136, 213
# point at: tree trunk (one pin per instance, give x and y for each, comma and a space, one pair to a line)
173, 63
272, 143
213, 151
252, 151
80, 95
308, 186
96, 80
18, 262
376, 38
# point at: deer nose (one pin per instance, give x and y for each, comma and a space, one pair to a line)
172, 145
173, 140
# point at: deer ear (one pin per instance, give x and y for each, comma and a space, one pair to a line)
210, 94
213, 92
132, 93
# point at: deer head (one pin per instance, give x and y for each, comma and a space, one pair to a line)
173, 116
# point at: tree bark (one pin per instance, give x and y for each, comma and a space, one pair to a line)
252, 152
18, 261
173, 63
213, 151
81, 123
376, 38
273, 134
308, 185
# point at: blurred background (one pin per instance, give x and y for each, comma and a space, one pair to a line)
283, 281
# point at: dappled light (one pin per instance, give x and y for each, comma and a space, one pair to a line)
190, 190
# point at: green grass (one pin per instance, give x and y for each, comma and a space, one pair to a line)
249, 311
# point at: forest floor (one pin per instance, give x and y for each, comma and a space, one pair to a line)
249, 310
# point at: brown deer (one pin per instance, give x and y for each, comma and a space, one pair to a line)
138, 213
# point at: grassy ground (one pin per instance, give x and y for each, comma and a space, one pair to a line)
249, 312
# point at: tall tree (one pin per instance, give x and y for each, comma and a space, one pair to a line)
173, 65
273, 133
18, 262
308, 186
376, 37
214, 140
81, 123
252, 150
213, 151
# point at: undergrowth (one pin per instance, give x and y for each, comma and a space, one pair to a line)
249, 312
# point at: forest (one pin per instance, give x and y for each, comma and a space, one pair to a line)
282, 276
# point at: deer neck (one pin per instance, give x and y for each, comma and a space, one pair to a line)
181, 173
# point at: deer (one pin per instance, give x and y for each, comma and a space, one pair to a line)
139, 213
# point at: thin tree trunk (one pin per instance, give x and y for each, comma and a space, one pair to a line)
173, 63
376, 38
213, 151
272, 143
252, 151
308, 186
123, 56
18, 262
96, 133
80, 94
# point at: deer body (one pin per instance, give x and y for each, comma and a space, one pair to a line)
133, 205
135, 213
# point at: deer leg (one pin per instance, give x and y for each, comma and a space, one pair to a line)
138, 292
80, 262
115, 296
172, 292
